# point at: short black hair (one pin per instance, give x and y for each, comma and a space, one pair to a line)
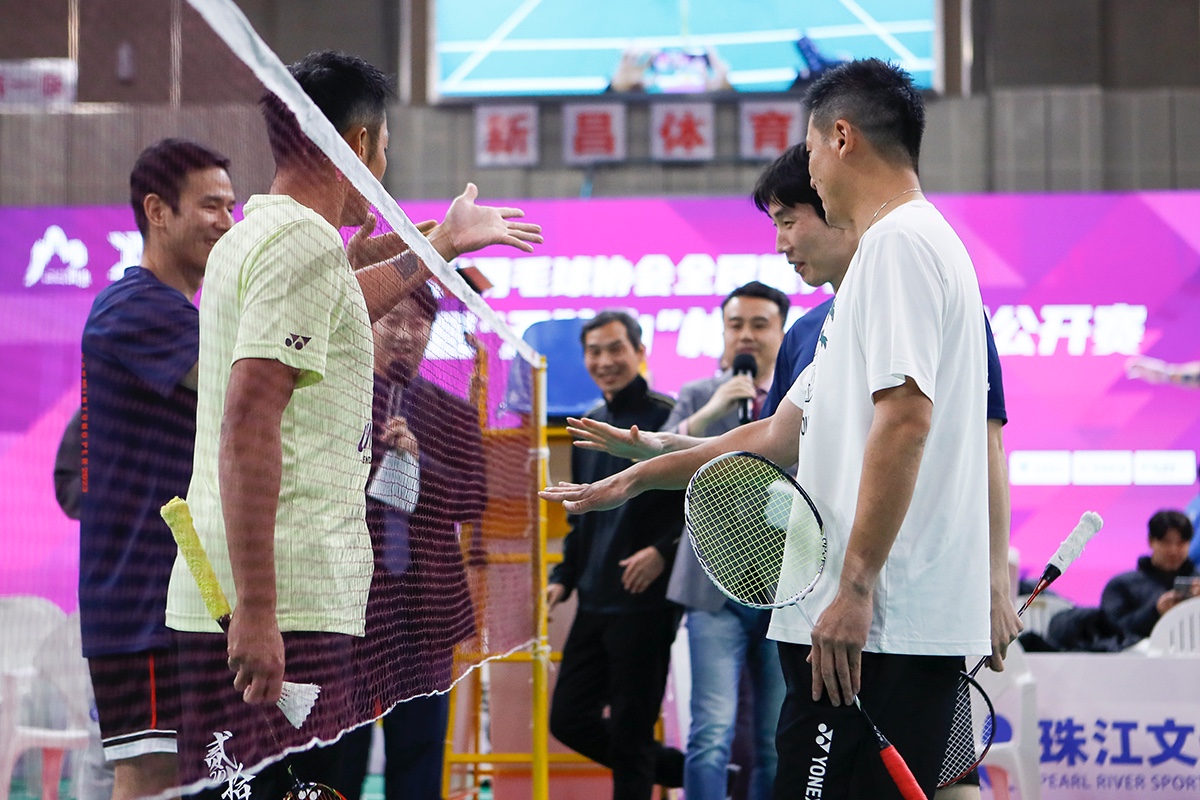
786, 181
349, 92
632, 328
162, 168
763, 292
1167, 519
879, 98
426, 302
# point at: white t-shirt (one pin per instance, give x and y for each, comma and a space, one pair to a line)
909, 306
278, 286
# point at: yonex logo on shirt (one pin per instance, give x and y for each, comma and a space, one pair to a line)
296, 340
366, 438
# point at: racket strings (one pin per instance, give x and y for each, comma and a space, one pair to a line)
971, 732
753, 531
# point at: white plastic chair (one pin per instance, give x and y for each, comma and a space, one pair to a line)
25, 621
1037, 617
58, 667
1177, 632
1014, 695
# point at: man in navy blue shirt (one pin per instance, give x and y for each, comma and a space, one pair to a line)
820, 254
140, 347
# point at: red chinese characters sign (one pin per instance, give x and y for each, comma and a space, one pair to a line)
768, 128
38, 82
593, 133
506, 135
682, 131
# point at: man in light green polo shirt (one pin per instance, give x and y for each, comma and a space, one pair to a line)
284, 431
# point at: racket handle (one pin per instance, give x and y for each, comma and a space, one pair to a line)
1047, 578
901, 775
1089, 525
178, 517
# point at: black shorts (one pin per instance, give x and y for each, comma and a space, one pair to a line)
137, 701
252, 735
832, 753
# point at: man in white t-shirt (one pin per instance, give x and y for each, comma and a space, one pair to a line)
890, 417
284, 432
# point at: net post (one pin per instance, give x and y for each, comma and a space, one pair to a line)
540, 765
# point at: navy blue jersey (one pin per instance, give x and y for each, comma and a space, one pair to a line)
995, 394
795, 353
800, 344
141, 338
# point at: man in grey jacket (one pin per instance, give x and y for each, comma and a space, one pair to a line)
724, 637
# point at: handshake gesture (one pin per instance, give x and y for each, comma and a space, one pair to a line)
467, 227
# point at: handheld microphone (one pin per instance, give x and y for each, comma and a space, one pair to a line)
744, 364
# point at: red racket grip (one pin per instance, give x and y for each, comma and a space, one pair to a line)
901, 774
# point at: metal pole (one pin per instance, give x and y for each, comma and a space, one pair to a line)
540, 765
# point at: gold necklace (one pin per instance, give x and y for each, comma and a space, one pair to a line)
875, 216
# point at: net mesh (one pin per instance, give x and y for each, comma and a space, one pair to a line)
406, 503
754, 531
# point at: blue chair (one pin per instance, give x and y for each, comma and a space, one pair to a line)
570, 391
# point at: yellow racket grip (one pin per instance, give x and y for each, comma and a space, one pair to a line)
179, 518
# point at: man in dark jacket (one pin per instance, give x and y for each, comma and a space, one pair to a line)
619, 560
1136, 600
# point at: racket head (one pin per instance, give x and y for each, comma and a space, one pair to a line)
307, 790
312, 791
755, 531
972, 731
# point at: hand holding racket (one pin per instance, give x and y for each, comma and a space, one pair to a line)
760, 540
296, 699
974, 726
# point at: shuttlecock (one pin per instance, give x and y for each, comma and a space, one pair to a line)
296, 701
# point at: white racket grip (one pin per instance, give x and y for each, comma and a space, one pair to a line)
1089, 524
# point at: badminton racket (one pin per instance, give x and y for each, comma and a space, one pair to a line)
760, 540
296, 699
307, 790
756, 533
974, 726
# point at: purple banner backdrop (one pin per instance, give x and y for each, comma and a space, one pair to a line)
1075, 285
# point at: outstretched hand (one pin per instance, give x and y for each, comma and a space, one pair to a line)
363, 249
579, 498
469, 227
631, 443
1151, 370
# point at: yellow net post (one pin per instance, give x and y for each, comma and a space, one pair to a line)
540, 767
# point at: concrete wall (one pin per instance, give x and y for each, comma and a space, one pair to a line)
1110, 44
1069, 95
1018, 140
1113, 44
